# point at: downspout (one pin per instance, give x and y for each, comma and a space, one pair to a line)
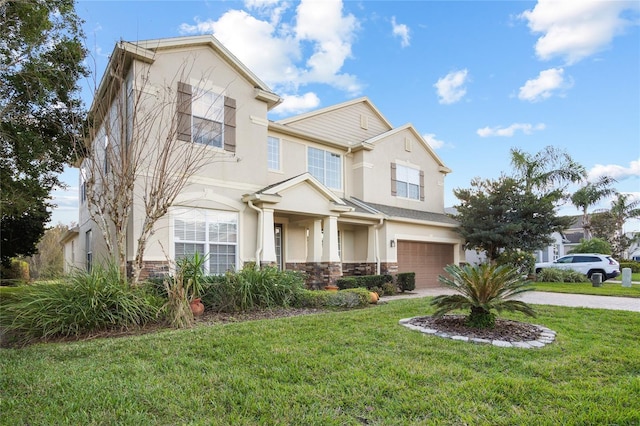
377, 245
260, 236
344, 171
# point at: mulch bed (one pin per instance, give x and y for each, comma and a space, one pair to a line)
505, 330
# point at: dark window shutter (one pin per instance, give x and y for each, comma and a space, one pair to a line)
184, 112
421, 185
394, 181
229, 124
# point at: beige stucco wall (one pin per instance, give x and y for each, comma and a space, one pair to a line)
374, 170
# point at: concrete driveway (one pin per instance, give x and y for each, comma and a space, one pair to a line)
546, 298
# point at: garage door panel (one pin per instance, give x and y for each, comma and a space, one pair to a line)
427, 260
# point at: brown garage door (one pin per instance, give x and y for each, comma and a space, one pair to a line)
427, 260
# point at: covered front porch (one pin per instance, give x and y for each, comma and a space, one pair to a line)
303, 226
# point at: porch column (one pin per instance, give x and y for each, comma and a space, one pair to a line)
268, 240
372, 244
314, 244
330, 240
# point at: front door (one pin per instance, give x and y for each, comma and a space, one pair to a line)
277, 229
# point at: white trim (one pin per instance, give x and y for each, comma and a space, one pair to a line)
362, 165
259, 121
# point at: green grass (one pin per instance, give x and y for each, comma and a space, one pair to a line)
340, 368
608, 288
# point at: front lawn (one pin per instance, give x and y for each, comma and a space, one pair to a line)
608, 288
341, 368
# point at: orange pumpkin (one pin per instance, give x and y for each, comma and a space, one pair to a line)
373, 297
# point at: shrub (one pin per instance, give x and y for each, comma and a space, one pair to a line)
550, 275
251, 288
574, 277
522, 261
370, 282
633, 265
191, 269
406, 281
16, 274
594, 245
86, 302
349, 298
347, 282
389, 288
555, 275
177, 306
481, 289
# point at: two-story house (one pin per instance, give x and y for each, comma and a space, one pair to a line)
337, 191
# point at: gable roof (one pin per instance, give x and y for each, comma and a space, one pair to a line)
145, 51
365, 100
209, 40
409, 127
272, 192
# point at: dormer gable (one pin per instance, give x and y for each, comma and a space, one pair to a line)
408, 137
349, 123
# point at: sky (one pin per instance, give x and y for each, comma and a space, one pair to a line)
475, 78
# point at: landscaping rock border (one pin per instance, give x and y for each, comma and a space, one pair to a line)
545, 337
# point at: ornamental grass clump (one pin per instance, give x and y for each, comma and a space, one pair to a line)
83, 303
482, 288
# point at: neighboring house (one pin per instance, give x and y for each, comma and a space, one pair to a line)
563, 242
338, 191
69, 243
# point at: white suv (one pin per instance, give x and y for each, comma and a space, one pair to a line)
585, 263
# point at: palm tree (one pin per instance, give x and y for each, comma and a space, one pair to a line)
482, 288
590, 194
546, 168
622, 209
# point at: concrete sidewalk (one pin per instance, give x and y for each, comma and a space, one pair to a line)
545, 298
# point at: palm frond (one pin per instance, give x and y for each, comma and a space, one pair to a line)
485, 286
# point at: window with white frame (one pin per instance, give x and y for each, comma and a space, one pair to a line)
208, 118
273, 153
325, 166
408, 182
211, 233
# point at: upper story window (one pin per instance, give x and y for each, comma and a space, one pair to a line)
325, 166
407, 182
273, 153
206, 117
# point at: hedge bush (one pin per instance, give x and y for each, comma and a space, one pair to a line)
406, 281
349, 298
555, 275
370, 282
634, 266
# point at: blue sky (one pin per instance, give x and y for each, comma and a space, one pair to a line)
475, 78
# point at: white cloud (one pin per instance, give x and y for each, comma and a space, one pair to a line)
274, 50
402, 31
525, 128
296, 104
432, 141
576, 29
450, 88
615, 171
323, 24
544, 86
